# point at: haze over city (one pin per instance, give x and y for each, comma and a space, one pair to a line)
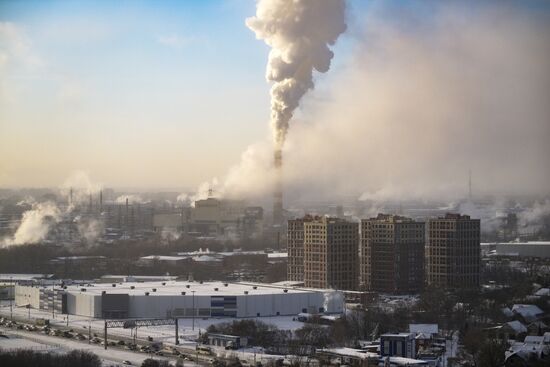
146, 96
275, 182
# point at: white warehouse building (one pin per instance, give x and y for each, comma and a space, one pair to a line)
180, 299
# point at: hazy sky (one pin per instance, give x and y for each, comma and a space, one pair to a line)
170, 94
136, 93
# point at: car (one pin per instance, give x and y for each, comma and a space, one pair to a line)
150, 338
126, 362
67, 334
121, 342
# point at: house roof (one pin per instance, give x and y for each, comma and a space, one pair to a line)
543, 292
517, 326
528, 312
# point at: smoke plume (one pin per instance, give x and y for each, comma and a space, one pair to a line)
89, 229
421, 99
132, 199
299, 33
533, 219
35, 224
80, 186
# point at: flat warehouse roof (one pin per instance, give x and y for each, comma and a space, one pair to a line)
174, 288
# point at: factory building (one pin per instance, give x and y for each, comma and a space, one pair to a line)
212, 217
453, 251
331, 253
180, 299
392, 254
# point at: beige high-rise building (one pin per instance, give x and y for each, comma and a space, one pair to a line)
295, 248
392, 254
453, 252
331, 253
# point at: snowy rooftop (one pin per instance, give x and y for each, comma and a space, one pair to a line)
424, 328
16, 277
176, 287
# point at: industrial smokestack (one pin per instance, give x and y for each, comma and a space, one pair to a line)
71, 196
300, 33
278, 188
100, 200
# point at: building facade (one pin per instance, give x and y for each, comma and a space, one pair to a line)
392, 254
453, 252
169, 299
331, 253
295, 248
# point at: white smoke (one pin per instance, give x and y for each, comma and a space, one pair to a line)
132, 199
35, 224
37, 221
89, 229
82, 187
532, 219
299, 33
419, 102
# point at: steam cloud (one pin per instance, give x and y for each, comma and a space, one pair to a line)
299, 33
35, 224
37, 221
132, 199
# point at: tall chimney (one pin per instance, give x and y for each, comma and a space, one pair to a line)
278, 190
127, 215
100, 200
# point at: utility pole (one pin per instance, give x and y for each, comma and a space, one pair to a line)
193, 310
177, 332
470, 185
53, 299
90, 331
11, 300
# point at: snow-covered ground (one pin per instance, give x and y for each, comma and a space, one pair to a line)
165, 334
111, 356
159, 333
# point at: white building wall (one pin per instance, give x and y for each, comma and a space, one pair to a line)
162, 306
84, 304
25, 295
